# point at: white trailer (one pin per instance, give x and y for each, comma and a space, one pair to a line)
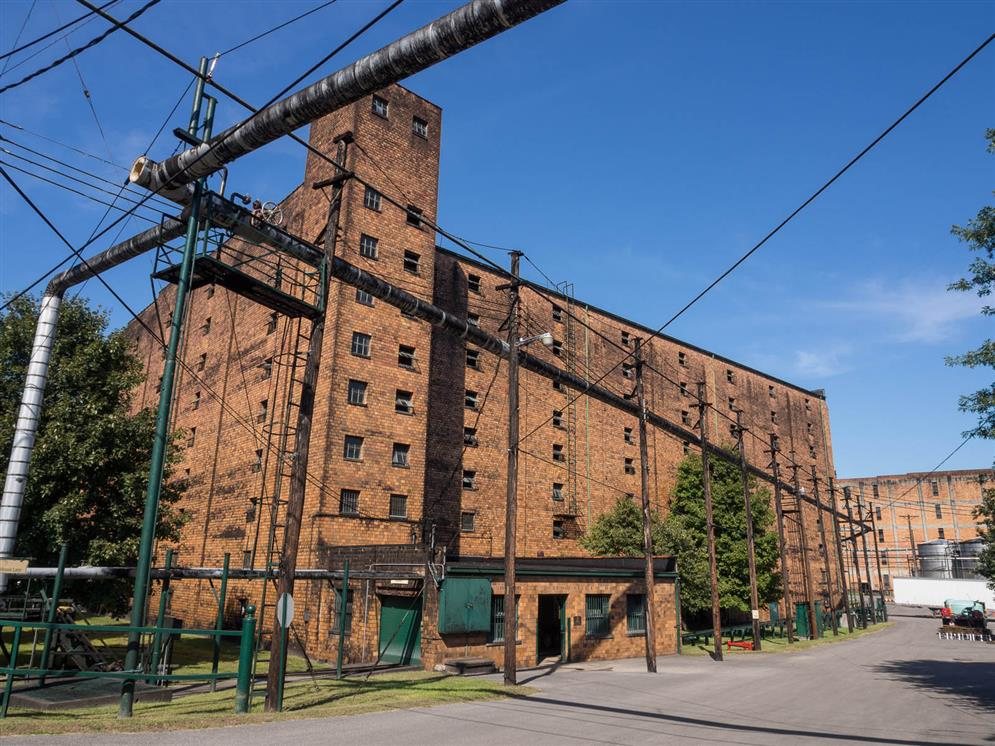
932, 592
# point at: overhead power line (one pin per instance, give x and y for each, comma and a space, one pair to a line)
267, 32
20, 31
79, 50
42, 38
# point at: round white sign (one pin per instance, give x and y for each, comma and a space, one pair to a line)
285, 608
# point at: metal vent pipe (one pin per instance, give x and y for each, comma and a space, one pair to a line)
29, 413
465, 27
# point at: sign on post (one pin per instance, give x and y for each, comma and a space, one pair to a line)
285, 609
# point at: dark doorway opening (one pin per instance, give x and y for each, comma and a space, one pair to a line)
550, 626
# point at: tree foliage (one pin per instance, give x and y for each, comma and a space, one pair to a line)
979, 235
89, 469
984, 514
619, 532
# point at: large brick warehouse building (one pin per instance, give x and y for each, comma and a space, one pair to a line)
409, 441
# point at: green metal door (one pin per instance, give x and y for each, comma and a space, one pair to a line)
801, 620
400, 630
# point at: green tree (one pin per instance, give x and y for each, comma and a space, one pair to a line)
984, 514
89, 470
979, 235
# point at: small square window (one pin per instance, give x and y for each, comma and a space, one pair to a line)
557, 418
685, 417
257, 463
399, 456
267, 368
732, 403
368, 246
557, 313
406, 356
935, 487
413, 216
598, 618
470, 399
371, 199
202, 361
730, 376
206, 326
412, 262
466, 521
938, 509
361, 344
473, 359
732, 429
686, 446
770, 392
874, 491
192, 437
557, 384
469, 479
881, 534
684, 389
349, 502
419, 126
630, 466
557, 348
473, 283
682, 359
628, 370
941, 533
877, 513
271, 323
263, 411
627, 435
380, 106
558, 531
773, 416
808, 428
470, 436
209, 292
558, 454
398, 506
635, 613
195, 404
353, 450
626, 339
884, 558
403, 402
357, 392
557, 490
808, 406
363, 297
811, 451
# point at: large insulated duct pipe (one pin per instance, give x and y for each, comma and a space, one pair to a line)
463, 28
29, 414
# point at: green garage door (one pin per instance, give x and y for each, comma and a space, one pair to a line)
400, 630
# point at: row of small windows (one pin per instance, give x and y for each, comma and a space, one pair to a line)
597, 615
353, 451
369, 247
381, 107
349, 501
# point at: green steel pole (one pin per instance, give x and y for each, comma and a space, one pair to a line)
677, 610
244, 683
53, 609
343, 601
158, 457
161, 616
220, 623
9, 685
282, 660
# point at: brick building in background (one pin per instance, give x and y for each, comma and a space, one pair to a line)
912, 509
408, 448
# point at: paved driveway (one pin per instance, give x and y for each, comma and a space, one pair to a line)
898, 686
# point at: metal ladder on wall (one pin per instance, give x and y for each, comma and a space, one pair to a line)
569, 508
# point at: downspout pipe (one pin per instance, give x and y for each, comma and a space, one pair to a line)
445, 37
29, 413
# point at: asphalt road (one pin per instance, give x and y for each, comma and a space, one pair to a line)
898, 686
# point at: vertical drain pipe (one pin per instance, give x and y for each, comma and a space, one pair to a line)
26, 429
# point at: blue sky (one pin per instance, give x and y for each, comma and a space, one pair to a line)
635, 149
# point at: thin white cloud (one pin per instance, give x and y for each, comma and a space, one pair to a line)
913, 310
823, 362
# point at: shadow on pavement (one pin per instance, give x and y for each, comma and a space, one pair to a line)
971, 680
704, 723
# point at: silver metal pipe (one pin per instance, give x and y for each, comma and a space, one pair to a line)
465, 27
87, 572
29, 414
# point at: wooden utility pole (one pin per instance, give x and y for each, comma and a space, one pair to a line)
867, 559
813, 627
302, 439
856, 560
839, 557
825, 552
913, 563
781, 544
877, 559
511, 505
706, 482
644, 471
751, 556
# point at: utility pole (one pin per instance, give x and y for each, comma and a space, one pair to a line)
781, 544
706, 481
867, 560
877, 560
813, 627
856, 560
751, 556
825, 552
839, 557
511, 505
913, 563
302, 439
644, 471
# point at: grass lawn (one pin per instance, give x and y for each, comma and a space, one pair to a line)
780, 644
301, 700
